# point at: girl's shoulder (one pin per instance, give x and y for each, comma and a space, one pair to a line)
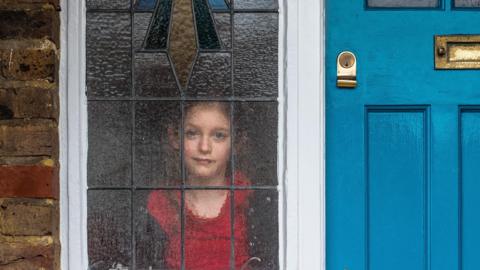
164, 207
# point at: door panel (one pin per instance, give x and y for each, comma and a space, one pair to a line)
403, 146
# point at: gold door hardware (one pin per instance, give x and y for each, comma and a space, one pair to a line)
346, 70
457, 52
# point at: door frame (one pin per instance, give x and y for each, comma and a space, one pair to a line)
301, 135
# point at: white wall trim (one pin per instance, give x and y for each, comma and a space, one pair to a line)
305, 175
73, 134
301, 163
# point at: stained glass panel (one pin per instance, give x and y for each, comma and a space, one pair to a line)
255, 54
183, 117
256, 4
109, 230
109, 148
256, 128
108, 4
108, 54
157, 144
154, 76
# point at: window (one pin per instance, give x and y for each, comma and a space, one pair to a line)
182, 115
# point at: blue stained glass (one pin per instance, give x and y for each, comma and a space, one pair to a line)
145, 4
218, 4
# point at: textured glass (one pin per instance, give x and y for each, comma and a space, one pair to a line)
158, 33
141, 22
224, 30
108, 4
255, 55
467, 3
145, 4
403, 3
154, 76
262, 228
183, 44
109, 150
207, 36
256, 4
207, 143
109, 229
157, 143
108, 54
157, 222
255, 140
211, 76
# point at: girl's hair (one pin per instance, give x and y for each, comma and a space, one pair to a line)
223, 106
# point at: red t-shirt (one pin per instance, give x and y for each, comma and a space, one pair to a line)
207, 240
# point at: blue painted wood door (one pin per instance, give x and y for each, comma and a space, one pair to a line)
403, 148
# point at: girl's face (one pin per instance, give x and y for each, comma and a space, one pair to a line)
207, 142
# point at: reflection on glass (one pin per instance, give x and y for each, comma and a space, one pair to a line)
403, 3
467, 3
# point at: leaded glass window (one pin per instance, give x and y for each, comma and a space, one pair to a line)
182, 109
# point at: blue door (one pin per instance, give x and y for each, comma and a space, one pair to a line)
403, 147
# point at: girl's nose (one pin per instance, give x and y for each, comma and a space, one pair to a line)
205, 145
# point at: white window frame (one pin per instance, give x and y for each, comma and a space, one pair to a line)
301, 135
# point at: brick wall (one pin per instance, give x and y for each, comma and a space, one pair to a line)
29, 215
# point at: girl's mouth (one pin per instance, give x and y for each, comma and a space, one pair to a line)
203, 161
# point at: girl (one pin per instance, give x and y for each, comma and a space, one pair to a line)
207, 229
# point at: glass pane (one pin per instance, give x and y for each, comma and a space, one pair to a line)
219, 4
255, 141
255, 55
256, 4
154, 76
157, 226
467, 3
403, 3
109, 134
108, 54
141, 21
223, 25
261, 230
108, 4
157, 144
207, 143
207, 35
158, 32
208, 229
109, 229
145, 4
211, 76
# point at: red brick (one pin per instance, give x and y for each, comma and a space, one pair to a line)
29, 181
28, 103
26, 252
26, 64
29, 24
21, 216
28, 138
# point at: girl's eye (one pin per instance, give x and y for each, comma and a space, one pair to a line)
190, 133
220, 135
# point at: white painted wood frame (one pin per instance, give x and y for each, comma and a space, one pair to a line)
301, 135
